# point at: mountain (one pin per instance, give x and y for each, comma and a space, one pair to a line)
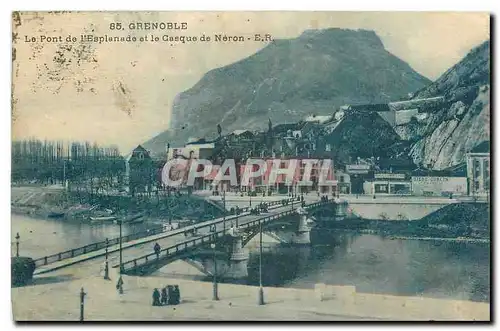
287, 80
462, 121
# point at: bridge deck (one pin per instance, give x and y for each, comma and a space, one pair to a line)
181, 248
90, 263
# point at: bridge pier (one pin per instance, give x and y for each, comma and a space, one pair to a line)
303, 234
238, 261
340, 210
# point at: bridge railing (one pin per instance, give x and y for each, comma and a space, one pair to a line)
172, 250
95, 246
184, 246
115, 241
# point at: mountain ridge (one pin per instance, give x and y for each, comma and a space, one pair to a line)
287, 80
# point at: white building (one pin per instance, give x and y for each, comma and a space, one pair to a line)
478, 169
195, 150
438, 186
387, 183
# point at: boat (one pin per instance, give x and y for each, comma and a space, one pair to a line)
102, 219
55, 215
137, 218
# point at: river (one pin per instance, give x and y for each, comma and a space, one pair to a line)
443, 269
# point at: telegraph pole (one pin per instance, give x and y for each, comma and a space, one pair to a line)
215, 296
261, 291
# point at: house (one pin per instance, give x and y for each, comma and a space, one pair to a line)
388, 183
140, 171
478, 169
200, 149
265, 182
318, 118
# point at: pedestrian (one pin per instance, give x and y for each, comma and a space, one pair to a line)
164, 296
171, 296
119, 285
157, 249
177, 292
156, 297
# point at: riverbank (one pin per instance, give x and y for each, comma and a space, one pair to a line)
58, 300
54, 201
465, 221
459, 239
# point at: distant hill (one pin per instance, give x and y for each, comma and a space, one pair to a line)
463, 121
288, 80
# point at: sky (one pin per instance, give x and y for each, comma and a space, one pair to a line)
122, 93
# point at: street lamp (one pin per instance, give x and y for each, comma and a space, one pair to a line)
82, 302
106, 265
17, 244
261, 291
237, 216
224, 215
120, 279
121, 255
214, 278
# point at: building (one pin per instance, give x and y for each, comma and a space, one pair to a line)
438, 186
140, 171
318, 118
200, 149
358, 174
263, 183
478, 169
343, 182
388, 183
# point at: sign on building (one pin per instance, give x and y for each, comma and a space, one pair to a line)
389, 176
439, 186
357, 168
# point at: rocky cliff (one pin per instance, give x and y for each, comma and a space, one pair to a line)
443, 138
288, 80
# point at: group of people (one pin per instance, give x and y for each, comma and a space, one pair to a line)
260, 208
170, 295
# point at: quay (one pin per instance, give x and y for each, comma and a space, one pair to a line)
58, 299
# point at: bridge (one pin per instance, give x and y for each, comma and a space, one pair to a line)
287, 220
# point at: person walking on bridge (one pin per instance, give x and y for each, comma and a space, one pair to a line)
157, 250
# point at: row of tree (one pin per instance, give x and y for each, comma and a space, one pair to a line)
53, 162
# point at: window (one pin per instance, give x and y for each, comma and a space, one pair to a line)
477, 168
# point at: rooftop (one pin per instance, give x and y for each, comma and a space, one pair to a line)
483, 147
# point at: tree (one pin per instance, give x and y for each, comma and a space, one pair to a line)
219, 130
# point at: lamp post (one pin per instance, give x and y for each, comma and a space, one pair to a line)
82, 303
224, 215
237, 216
17, 244
120, 279
121, 255
261, 291
215, 292
106, 263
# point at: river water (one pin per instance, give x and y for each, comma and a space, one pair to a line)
373, 264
